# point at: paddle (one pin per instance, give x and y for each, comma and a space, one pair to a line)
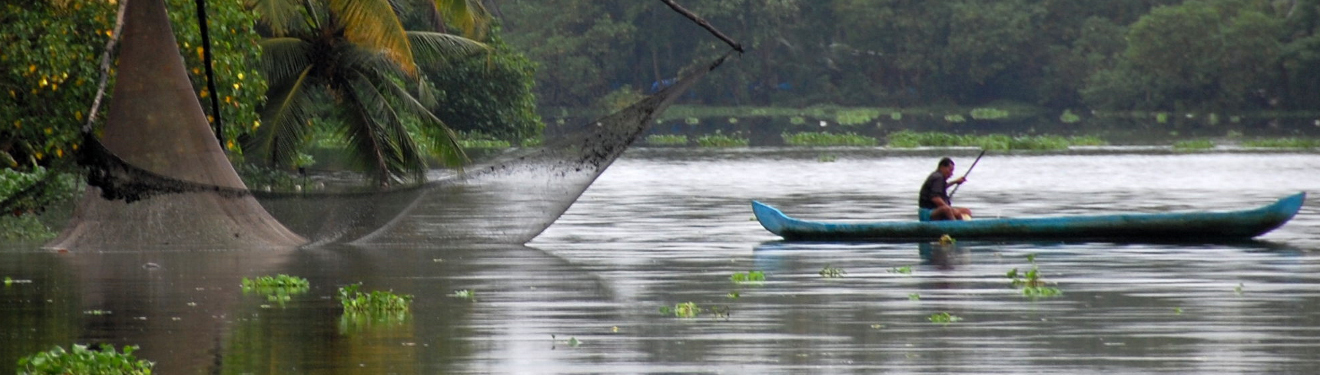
969, 171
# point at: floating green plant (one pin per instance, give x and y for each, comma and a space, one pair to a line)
96, 312
748, 277
989, 113
277, 289
1195, 144
1030, 282
944, 318
1177, 311
377, 301
1238, 289
905, 270
11, 281
914, 297
82, 361
827, 158
682, 310
278, 281
831, 272
720, 140
827, 139
464, 294
855, 116
734, 295
797, 120
692, 120
955, 118
910, 139
896, 116
667, 140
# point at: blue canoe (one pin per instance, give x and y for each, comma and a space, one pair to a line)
1155, 227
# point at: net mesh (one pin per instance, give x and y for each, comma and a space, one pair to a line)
184, 194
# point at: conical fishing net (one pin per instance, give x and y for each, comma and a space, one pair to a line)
183, 194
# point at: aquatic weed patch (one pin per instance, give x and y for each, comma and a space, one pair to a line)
944, 318
748, 277
377, 301
666, 140
1030, 281
279, 288
720, 140
831, 272
83, 361
827, 139
1001, 142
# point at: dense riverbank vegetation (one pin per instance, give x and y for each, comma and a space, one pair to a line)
1169, 55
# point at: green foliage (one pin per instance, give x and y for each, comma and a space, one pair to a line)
51, 66
1068, 117
279, 289
855, 116
1030, 282
479, 140
359, 66
989, 113
682, 310
376, 302
666, 140
1194, 144
910, 139
748, 277
491, 93
466, 294
82, 361
944, 318
827, 158
720, 140
827, 139
904, 270
955, 118
1282, 143
831, 272
47, 188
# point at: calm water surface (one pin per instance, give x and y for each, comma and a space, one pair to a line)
664, 227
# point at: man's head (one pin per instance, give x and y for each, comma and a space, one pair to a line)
946, 167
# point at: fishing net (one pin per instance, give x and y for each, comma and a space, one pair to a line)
184, 194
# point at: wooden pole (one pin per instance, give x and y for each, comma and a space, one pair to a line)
969, 171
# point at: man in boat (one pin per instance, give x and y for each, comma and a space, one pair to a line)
933, 203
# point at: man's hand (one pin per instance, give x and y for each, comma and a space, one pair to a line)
958, 180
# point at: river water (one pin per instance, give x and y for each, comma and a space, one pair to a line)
596, 292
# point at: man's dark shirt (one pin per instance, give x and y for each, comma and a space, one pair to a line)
935, 186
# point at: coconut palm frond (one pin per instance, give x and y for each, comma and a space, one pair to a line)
469, 16
284, 58
372, 25
432, 46
287, 121
282, 16
441, 140
384, 145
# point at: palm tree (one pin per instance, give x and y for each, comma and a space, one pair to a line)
357, 54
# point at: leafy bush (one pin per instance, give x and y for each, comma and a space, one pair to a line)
81, 361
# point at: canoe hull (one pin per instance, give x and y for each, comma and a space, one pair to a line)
1177, 226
